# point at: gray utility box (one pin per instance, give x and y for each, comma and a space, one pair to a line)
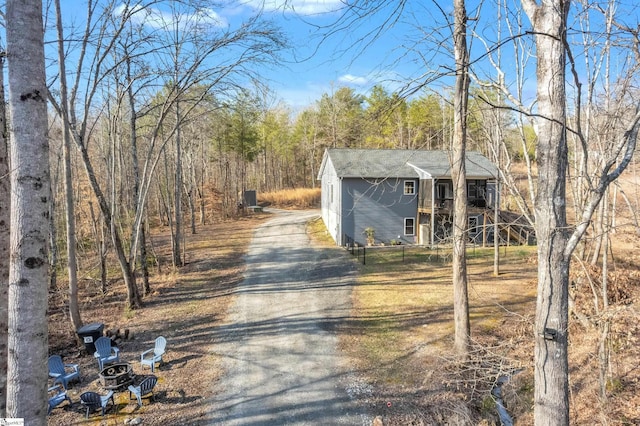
89, 334
250, 199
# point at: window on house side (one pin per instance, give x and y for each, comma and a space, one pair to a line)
472, 189
409, 226
473, 224
444, 191
409, 187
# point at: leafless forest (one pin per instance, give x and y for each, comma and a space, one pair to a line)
169, 123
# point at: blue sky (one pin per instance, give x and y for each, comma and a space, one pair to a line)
314, 64
356, 55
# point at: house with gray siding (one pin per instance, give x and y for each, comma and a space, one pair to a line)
404, 196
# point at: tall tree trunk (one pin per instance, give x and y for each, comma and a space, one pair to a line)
166, 203
192, 209
98, 227
551, 406
146, 287
72, 264
5, 218
200, 181
599, 235
30, 189
137, 202
496, 208
496, 228
53, 244
191, 192
605, 322
103, 249
177, 254
459, 176
201, 205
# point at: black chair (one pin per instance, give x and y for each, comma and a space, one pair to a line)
57, 395
93, 401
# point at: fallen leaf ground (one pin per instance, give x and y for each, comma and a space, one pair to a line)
402, 338
183, 307
399, 336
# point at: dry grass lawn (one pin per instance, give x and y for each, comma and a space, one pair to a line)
403, 346
298, 198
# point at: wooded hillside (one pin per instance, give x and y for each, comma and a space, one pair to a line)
159, 116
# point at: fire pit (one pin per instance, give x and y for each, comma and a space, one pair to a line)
117, 376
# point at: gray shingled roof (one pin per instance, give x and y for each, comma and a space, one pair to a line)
385, 163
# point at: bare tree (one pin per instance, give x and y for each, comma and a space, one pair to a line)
5, 217
549, 21
99, 59
459, 177
306, 131
79, 121
72, 264
556, 243
29, 266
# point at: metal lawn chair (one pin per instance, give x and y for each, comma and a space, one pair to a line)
61, 372
57, 395
152, 356
143, 389
105, 352
93, 400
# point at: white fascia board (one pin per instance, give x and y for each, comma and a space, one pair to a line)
422, 174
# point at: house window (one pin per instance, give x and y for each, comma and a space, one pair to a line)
475, 189
409, 187
409, 226
444, 191
472, 189
473, 224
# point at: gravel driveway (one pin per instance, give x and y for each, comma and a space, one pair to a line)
279, 343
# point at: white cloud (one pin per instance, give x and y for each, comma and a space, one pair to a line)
302, 7
157, 18
300, 95
211, 17
352, 79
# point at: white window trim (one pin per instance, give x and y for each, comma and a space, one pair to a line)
413, 186
404, 229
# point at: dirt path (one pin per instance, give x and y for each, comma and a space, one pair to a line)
279, 344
